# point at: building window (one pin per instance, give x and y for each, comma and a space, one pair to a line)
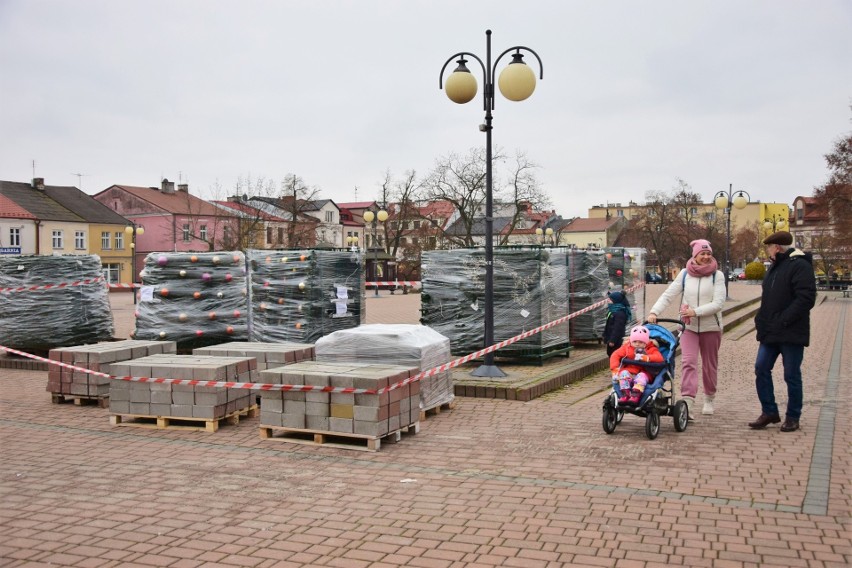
119, 240
105, 240
186, 232
280, 235
57, 239
269, 235
15, 237
329, 216
80, 240
111, 273
226, 234
619, 212
693, 210
202, 232
800, 212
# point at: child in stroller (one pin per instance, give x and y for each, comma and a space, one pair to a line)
656, 397
631, 379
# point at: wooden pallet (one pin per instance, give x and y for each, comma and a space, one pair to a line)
437, 409
360, 442
181, 423
79, 400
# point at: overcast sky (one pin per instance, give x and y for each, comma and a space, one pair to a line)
635, 94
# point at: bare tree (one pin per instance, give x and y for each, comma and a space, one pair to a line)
834, 199
460, 180
525, 193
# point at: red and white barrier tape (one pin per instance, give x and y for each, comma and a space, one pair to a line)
394, 283
53, 286
337, 390
124, 285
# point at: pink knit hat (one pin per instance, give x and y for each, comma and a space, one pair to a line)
700, 245
640, 333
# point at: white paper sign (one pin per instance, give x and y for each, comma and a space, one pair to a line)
524, 313
342, 292
340, 308
146, 294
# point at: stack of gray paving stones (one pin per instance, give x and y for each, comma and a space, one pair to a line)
96, 357
268, 355
398, 344
374, 415
182, 401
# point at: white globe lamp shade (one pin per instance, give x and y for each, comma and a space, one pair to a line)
369, 216
539, 232
721, 202
781, 224
740, 201
383, 216
140, 231
517, 80
549, 232
128, 229
461, 85
767, 225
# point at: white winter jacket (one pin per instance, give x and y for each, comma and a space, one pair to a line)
705, 295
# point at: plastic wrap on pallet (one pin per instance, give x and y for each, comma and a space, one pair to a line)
530, 289
626, 268
302, 295
44, 318
399, 344
193, 298
588, 283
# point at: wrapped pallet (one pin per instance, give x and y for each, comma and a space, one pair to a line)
53, 301
405, 345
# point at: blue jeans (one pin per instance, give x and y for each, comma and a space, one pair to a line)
791, 356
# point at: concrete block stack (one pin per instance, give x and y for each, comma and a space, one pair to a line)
371, 415
182, 401
268, 355
64, 382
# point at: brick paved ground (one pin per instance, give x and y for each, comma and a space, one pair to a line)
490, 483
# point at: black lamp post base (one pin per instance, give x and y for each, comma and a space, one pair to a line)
488, 371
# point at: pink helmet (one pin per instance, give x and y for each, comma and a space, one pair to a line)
640, 333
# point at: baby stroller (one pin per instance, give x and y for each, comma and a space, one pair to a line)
658, 398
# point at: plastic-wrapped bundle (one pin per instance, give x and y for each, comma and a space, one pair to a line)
302, 295
59, 316
193, 298
530, 289
626, 268
406, 345
588, 283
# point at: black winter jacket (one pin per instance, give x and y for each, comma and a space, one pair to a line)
789, 293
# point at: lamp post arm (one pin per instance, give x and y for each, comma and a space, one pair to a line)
519, 48
484, 74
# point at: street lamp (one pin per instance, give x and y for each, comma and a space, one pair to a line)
132, 232
777, 223
516, 82
352, 241
374, 219
545, 235
724, 200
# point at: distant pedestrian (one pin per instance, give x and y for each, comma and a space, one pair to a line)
700, 290
617, 315
783, 328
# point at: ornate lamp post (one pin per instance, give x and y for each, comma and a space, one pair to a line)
776, 223
724, 200
132, 232
545, 235
516, 82
374, 219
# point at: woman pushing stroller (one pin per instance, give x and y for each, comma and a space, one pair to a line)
631, 379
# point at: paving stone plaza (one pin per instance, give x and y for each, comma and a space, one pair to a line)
488, 483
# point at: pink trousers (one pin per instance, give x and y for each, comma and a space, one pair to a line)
707, 345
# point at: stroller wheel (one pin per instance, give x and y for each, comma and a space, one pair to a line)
609, 420
681, 415
652, 424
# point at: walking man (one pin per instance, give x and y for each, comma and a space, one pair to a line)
783, 328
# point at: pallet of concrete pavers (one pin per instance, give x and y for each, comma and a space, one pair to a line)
169, 403
66, 384
173, 422
268, 355
437, 409
369, 417
335, 439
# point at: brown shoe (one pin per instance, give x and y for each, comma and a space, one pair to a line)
790, 425
764, 420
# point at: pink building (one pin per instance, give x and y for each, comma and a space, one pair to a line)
172, 220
